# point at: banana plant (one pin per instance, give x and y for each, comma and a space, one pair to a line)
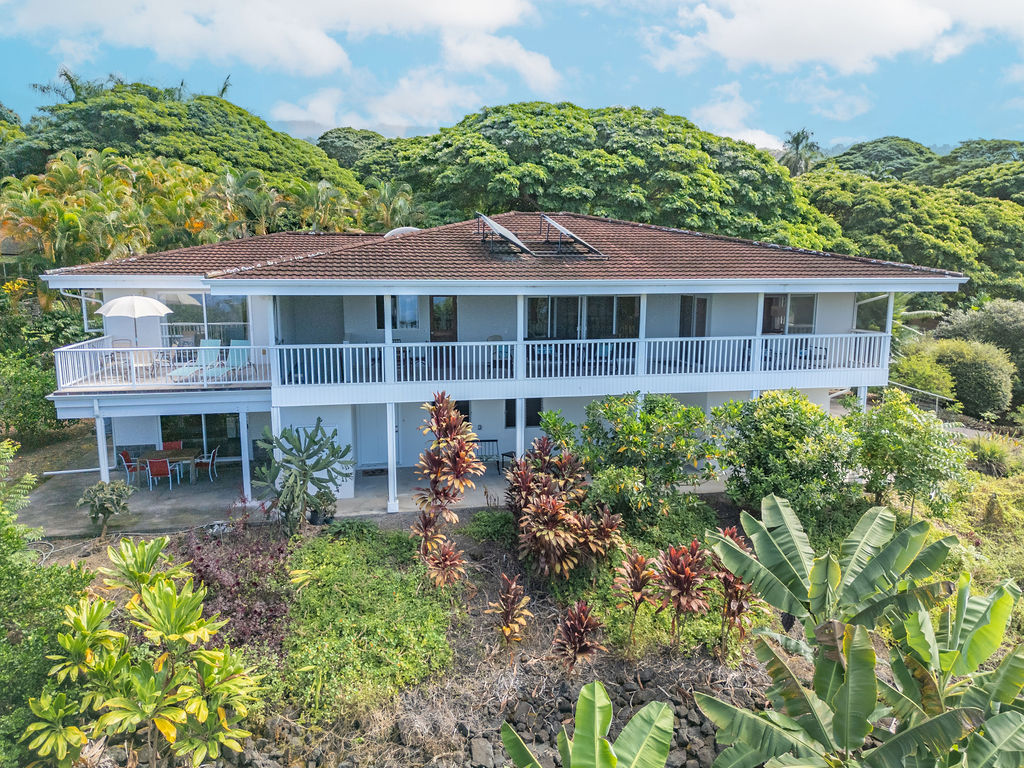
936, 668
643, 743
877, 569
829, 725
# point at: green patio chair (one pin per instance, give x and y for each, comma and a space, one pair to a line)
238, 359
207, 359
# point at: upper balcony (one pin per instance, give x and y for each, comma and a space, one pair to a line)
367, 372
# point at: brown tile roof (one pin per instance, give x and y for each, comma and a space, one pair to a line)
627, 250
227, 254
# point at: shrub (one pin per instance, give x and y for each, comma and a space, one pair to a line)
32, 598
105, 500
909, 451
635, 581
364, 625
781, 443
982, 375
683, 576
919, 370
24, 409
994, 455
510, 610
999, 322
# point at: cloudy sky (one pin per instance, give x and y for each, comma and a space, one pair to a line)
936, 70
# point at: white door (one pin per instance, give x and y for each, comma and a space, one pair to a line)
371, 446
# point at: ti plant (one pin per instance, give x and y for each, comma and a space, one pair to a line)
937, 669
510, 610
168, 685
644, 742
445, 564
739, 604
105, 500
684, 577
576, 636
303, 463
136, 564
877, 570
635, 580
831, 724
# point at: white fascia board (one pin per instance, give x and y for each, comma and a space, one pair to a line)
936, 283
84, 405
188, 283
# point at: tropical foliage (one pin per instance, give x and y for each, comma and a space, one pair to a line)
105, 500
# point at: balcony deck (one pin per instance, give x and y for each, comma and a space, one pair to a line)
96, 366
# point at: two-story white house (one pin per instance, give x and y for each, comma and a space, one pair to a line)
511, 315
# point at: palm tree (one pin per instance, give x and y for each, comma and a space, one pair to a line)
802, 152
321, 206
390, 204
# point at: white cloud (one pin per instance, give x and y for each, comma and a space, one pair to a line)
826, 100
473, 51
728, 113
300, 36
320, 108
422, 98
847, 37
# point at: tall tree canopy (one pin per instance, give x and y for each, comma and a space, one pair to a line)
945, 228
349, 145
204, 131
968, 156
636, 164
1003, 180
888, 157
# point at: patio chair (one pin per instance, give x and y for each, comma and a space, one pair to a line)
207, 359
130, 466
209, 462
157, 468
237, 361
172, 445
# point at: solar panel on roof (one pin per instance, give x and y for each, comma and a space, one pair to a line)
503, 233
569, 233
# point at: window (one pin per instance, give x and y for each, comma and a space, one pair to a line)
613, 317
788, 313
534, 405
221, 430
405, 312
227, 318
553, 317
693, 316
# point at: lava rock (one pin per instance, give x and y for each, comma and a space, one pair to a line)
481, 753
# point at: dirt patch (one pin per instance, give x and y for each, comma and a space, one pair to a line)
71, 448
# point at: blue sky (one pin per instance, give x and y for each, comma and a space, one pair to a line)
939, 71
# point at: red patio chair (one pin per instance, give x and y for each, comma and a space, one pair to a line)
172, 445
131, 466
209, 461
157, 468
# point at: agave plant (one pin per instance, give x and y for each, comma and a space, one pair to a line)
445, 564
831, 725
510, 610
576, 636
684, 576
876, 570
644, 741
635, 582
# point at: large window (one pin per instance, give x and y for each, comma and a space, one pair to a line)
788, 313
553, 317
221, 430
534, 405
405, 312
197, 316
613, 317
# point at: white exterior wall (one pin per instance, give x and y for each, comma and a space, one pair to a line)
136, 430
834, 313
483, 316
733, 314
662, 316
334, 417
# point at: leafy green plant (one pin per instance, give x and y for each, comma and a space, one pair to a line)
644, 741
105, 500
982, 374
138, 563
920, 370
576, 636
876, 569
54, 734
908, 451
492, 525
24, 409
303, 463
994, 455
781, 443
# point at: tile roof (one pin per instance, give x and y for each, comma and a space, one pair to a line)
626, 250
468, 250
227, 254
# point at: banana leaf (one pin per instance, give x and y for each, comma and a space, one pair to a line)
646, 739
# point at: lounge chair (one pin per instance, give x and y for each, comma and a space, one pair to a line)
207, 359
238, 359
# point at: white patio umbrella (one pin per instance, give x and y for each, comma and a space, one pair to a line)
185, 299
134, 307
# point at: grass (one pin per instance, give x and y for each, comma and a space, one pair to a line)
366, 625
492, 525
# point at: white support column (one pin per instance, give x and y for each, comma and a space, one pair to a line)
389, 341
243, 435
101, 448
888, 313
520, 342
392, 460
641, 344
757, 353
862, 398
520, 426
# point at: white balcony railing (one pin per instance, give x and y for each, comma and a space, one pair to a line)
98, 364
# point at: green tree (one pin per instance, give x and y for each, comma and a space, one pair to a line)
388, 204
966, 157
1002, 180
348, 146
982, 374
801, 153
908, 451
888, 157
999, 322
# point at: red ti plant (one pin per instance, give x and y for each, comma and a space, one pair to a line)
600, 536
576, 637
445, 564
510, 610
635, 582
740, 604
683, 575
551, 534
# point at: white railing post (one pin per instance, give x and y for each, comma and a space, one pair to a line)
520, 348
641, 343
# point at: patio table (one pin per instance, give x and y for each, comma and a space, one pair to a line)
176, 456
